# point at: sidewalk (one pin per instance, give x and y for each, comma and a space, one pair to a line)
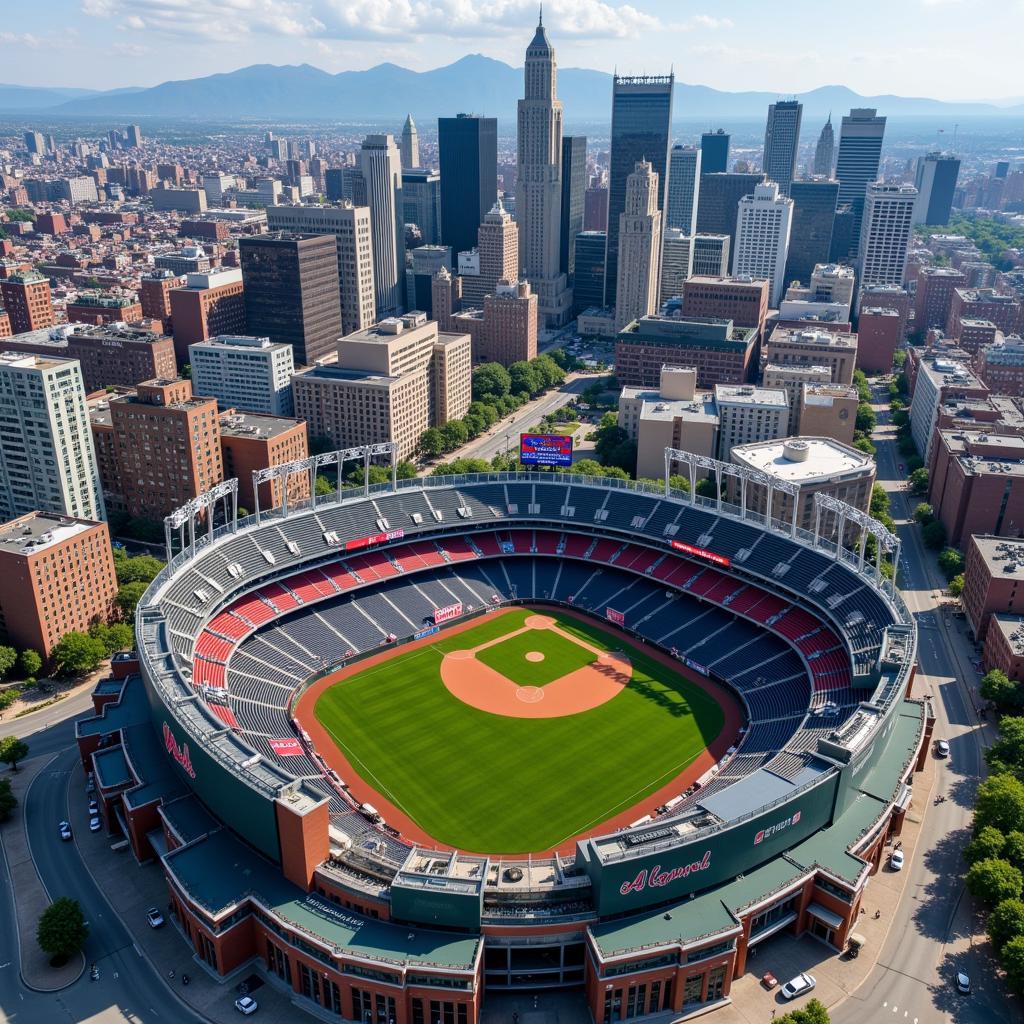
31, 898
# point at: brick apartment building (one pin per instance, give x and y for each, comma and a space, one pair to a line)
251, 441
26, 298
813, 347
741, 300
96, 308
155, 295
505, 330
934, 297
879, 332
211, 303
993, 580
984, 304
56, 575
1001, 366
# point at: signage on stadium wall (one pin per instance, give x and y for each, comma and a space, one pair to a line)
374, 538
545, 449
447, 613
696, 666
689, 549
656, 878
179, 751
425, 632
781, 826
286, 748
619, 618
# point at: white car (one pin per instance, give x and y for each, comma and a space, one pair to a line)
65, 831
246, 1005
941, 748
896, 860
798, 986
95, 824
155, 918
963, 983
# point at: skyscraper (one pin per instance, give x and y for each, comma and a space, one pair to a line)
588, 285
709, 256
291, 291
781, 142
468, 154
719, 198
574, 187
935, 182
539, 182
639, 247
381, 169
410, 144
683, 188
498, 249
676, 263
641, 127
860, 150
714, 152
814, 213
885, 234
762, 238
825, 150
35, 143
421, 202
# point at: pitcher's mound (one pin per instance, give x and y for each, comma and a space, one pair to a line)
534, 656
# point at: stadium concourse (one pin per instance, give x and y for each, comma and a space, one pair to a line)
271, 856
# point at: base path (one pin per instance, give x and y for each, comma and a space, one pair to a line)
362, 792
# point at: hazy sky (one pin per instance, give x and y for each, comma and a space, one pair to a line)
947, 49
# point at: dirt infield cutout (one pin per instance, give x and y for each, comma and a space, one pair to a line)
482, 687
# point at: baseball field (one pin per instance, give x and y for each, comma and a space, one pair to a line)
520, 732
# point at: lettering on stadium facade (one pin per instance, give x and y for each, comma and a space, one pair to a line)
656, 878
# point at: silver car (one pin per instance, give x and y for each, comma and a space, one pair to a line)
798, 986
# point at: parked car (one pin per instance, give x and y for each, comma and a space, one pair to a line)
798, 986
963, 983
246, 1005
155, 918
896, 860
95, 824
65, 831
941, 748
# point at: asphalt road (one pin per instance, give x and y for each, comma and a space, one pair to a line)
929, 939
50, 729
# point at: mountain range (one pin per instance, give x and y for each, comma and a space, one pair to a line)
475, 82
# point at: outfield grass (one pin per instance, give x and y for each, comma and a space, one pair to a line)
561, 656
492, 784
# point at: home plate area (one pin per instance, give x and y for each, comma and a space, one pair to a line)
537, 671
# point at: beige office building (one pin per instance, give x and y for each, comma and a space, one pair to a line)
838, 351
827, 410
747, 414
791, 378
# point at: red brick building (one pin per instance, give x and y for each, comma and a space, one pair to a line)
51, 224
98, 308
993, 580
984, 304
1001, 366
878, 336
211, 303
976, 334
744, 302
5, 324
25, 296
155, 295
251, 441
1004, 645
935, 287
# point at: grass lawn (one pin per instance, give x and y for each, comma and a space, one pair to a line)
492, 784
561, 656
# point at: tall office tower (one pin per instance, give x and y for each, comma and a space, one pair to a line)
425, 262
595, 208
885, 234
468, 154
641, 129
26, 298
814, 213
762, 238
718, 204
683, 189
352, 227
842, 234
133, 133
445, 297
639, 247
860, 151
334, 183
498, 248
421, 202
382, 174
588, 285
291, 291
539, 182
676, 263
781, 142
574, 187
47, 459
825, 150
410, 144
714, 152
245, 373
935, 182
710, 256
209, 304
35, 143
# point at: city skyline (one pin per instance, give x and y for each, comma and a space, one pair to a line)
153, 41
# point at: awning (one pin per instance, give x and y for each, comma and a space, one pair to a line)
825, 916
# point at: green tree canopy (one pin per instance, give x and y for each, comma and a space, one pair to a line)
29, 663
813, 1013
13, 750
997, 687
880, 502
8, 801
993, 880
924, 513
432, 442
934, 535
62, 930
1006, 922
951, 562
956, 585
901, 417
987, 844
76, 653
918, 481
1000, 803
1012, 959
525, 377
866, 419
118, 637
1006, 754
1013, 849
455, 434
8, 659
138, 569
491, 379
323, 485
128, 597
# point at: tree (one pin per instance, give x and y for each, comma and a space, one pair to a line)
951, 562
1012, 959
866, 419
860, 382
432, 442
8, 659
139, 569
1002, 691
62, 929
880, 503
550, 373
924, 513
1013, 849
993, 880
77, 652
862, 444
491, 379
117, 637
1006, 922
405, 470
900, 417
1000, 803
588, 467
29, 663
956, 584
1007, 753
455, 434
986, 845
918, 481
934, 535
128, 597
813, 1013
8, 801
906, 446
322, 486
524, 377
13, 750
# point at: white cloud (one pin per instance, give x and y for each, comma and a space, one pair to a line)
20, 39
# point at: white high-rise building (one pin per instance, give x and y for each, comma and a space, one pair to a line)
639, 275
352, 227
676, 262
47, 460
410, 144
381, 168
763, 225
539, 182
683, 189
885, 235
245, 373
215, 184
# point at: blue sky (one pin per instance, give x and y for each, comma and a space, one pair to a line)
948, 49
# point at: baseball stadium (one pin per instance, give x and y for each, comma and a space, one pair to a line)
406, 747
